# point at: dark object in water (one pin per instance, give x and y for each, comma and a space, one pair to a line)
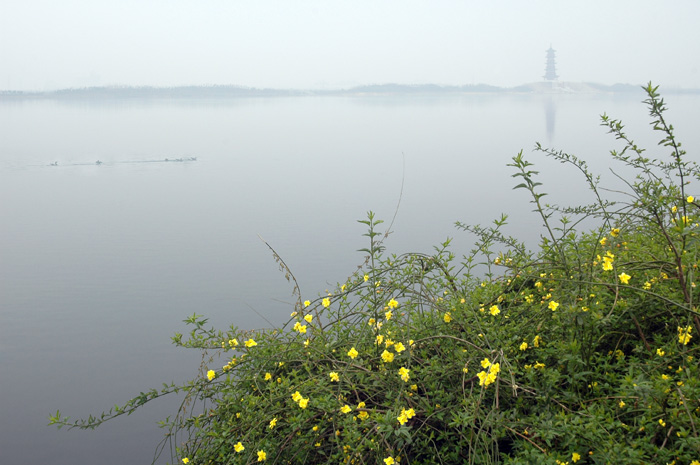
181, 159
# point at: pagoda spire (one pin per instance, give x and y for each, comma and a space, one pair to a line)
550, 72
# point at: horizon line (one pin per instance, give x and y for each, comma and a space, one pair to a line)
556, 85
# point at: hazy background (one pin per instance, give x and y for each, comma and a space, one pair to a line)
99, 263
49, 44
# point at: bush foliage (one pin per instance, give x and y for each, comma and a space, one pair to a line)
584, 351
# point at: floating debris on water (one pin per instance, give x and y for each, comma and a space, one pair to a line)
100, 162
182, 159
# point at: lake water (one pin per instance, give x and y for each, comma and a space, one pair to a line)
99, 264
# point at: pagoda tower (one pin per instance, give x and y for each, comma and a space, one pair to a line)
550, 72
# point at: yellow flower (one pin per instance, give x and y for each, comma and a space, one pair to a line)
494, 310
608, 262
553, 305
399, 347
387, 356
262, 456
309, 318
575, 457
352, 353
485, 363
366, 278
615, 232
690, 199
233, 342
662, 422
660, 352
389, 460
674, 209
185, 460
363, 415
622, 403
379, 339
404, 374
211, 374
296, 397
299, 327
326, 302
603, 241
388, 315
346, 408
334, 376
268, 376
684, 336
405, 415
304, 402
536, 341
273, 422
624, 278
307, 303
447, 317
239, 447
250, 343
392, 304
646, 286
523, 346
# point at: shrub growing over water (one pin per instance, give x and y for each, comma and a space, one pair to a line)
584, 351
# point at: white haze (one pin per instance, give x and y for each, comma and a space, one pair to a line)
49, 44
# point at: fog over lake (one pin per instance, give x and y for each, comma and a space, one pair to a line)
101, 262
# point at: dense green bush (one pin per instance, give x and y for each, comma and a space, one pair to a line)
581, 352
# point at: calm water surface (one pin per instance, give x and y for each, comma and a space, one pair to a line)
100, 263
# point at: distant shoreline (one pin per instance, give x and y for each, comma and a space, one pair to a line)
230, 91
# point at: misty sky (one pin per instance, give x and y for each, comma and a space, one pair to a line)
49, 44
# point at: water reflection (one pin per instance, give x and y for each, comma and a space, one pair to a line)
550, 116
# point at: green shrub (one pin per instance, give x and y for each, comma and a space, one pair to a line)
581, 352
